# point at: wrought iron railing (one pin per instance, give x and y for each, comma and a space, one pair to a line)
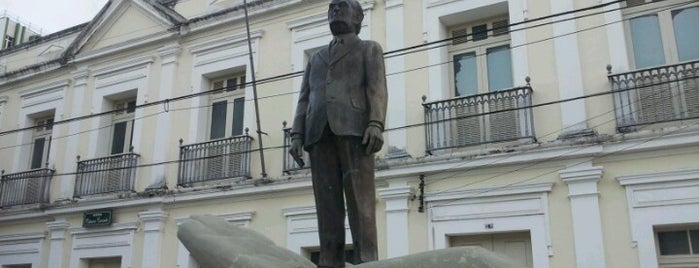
23, 188
655, 95
289, 164
111, 174
498, 116
215, 160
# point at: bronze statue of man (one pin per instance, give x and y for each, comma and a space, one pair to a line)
339, 121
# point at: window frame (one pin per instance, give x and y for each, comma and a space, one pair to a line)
128, 117
229, 96
667, 30
676, 259
42, 132
479, 48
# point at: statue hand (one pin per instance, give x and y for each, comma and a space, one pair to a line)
296, 151
373, 139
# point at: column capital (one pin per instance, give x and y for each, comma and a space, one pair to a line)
80, 76
169, 53
393, 3
153, 220
392, 193
590, 174
57, 229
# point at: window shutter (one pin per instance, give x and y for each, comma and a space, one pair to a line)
238, 116
218, 120
218, 85
632, 3
501, 27
460, 36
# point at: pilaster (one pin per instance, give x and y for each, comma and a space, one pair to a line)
77, 103
57, 233
153, 225
397, 197
396, 115
584, 206
568, 69
163, 144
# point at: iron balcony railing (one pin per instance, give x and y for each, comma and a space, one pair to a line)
655, 95
111, 174
24, 188
288, 161
215, 160
498, 116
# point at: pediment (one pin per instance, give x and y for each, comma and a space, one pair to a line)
125, 22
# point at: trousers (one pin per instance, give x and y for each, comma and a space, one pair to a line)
341, 169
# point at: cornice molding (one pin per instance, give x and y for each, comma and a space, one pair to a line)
226, 42
490, 192
659, 177
44, 89
22, 237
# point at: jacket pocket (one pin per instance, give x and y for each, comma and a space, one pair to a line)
358, 102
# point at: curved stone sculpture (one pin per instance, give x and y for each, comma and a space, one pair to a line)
215, 243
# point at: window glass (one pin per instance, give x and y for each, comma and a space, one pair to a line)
119, 138
694, 237
480, 32
685, 22
38, 153
499, 68
232, 84
646, 40
238, 111
218, 120
673, 243
465, 74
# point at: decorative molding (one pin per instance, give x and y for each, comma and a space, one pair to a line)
488, 192
660, 177
3, 99
22, 237
223, 43
393, 3
244, 217
402, 192
168, 54
122, 67
581, 175
296, 211
153, 216
111, 230
43, 89
308, 20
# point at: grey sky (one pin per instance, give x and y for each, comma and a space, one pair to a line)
52, 15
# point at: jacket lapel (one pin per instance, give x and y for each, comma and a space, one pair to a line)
342, 50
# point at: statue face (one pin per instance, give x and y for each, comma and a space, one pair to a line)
341, 16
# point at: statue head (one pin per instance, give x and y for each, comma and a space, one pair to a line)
345, 16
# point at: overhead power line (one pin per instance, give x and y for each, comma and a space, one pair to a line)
295, 74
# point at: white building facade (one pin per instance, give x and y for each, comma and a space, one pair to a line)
560, 133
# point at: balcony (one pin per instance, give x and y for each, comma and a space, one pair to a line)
24, 188
214, 160
498, 116
655, 95
289, 165
111, 174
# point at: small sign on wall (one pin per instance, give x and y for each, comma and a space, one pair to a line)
97, 218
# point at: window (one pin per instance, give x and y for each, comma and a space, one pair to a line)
660, 35
9, 41
227, 107
481, 57
678, 246
122, 129
41, 142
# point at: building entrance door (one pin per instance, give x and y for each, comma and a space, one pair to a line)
517, 246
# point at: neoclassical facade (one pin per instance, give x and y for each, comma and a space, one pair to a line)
560, 133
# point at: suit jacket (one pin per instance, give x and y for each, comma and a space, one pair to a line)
345, 89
